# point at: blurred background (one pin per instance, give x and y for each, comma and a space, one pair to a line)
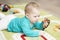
53, 6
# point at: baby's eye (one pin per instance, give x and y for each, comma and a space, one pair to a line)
35, 16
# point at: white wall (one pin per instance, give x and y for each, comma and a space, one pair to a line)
13, 1
50, 5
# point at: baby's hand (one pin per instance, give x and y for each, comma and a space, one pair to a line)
46, 22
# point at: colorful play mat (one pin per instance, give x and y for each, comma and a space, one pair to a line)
53, 29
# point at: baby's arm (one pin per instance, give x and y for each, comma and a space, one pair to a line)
27, 30
42, 25
39, 25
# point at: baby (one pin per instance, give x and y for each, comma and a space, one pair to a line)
27, 23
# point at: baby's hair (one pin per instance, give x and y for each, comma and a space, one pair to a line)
29, 6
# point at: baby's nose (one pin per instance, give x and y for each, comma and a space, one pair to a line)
37, 18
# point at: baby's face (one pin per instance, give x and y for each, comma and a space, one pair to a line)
34, 16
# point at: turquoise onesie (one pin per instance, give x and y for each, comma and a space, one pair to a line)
23, 25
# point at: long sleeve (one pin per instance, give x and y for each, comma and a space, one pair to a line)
39, 25
25, 25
